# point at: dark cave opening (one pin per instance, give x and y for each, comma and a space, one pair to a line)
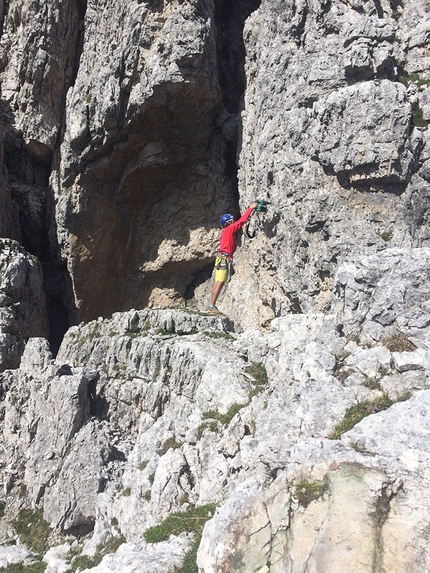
60, 305
35, 238
58, 319
200, 277
34, 220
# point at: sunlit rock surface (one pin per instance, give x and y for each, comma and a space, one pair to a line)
297, 420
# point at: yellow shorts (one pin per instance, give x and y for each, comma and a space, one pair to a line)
223, 269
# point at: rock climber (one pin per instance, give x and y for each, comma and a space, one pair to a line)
227, 248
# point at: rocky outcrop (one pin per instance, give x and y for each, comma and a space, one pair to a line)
22, 302
155, 412
141, 158
377, 146
376, 293
296, 428
39, 48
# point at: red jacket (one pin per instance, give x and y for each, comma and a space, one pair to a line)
228, 242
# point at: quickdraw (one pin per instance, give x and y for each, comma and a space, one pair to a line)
261, 208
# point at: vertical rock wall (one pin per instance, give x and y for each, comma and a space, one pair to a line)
334, 134
122, 129
139, 177
126, 128
115, 114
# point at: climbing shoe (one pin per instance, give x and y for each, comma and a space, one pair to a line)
213, 310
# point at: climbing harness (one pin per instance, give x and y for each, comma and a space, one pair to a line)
224, 262
260, 209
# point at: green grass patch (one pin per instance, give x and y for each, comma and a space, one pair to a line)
418, 116
212, 418
418, 80
169, 443
32, 529
218, 334
357, 412
386, 235
211, 425
306, 492
163, 332
408, 79
404, 396
226, 418
190, 561
85, 562
133, 331
193, 520
372, 384
259, 373
360, 449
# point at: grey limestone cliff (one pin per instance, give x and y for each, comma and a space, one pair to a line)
289, 434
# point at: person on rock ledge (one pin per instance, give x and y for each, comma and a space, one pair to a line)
227, 248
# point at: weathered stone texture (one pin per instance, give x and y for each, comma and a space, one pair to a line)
331, 143
140, 118
22, 302
375, 145
374, 296
128, 102
38, 62
127, 128
115, 453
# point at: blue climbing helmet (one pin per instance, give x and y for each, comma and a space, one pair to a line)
225, 218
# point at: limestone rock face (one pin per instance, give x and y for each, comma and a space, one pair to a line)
141, 200
374, 146
143, 122
298, 420
22, 302
336, 144
271, 530
38, 44
156, 411
373, 295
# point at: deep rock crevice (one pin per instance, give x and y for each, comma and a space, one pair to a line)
230, 19
28, 160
